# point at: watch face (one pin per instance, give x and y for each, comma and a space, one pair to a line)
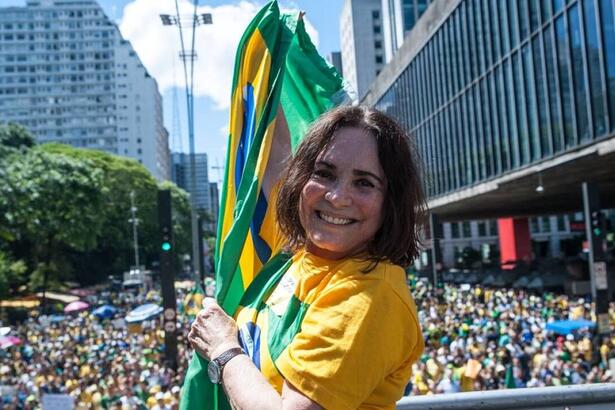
213, 371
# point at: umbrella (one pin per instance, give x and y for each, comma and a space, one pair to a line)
5, 331
57, 318
76, 306
104, 311
8, 341
143, 312
564, 327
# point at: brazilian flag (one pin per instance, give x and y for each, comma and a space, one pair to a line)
279, 81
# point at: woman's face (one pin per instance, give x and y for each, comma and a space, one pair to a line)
341, 204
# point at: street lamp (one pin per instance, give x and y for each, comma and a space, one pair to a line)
188, 57
135, 222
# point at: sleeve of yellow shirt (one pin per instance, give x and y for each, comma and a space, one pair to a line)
356, 345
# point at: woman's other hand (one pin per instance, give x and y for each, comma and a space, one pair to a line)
213, 332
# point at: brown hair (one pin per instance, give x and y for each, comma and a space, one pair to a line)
404, 206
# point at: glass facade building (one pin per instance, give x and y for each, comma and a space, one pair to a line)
181, 174
504, 84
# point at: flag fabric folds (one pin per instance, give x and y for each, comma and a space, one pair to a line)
280, 86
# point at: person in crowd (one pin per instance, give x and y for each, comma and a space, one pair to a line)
501, 335
348, 206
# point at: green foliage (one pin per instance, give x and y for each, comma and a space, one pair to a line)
15, 136
64, 214
12, 274
51, 203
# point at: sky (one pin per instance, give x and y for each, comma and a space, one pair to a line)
158, 48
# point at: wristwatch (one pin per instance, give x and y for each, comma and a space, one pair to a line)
214, 368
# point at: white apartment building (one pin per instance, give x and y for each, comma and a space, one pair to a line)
67, 75
398, 18
361, 41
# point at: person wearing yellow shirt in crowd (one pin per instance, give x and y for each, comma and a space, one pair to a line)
348, 204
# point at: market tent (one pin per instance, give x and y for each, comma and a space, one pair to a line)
143, 312
60, 297
77, 306
8, 341
26, 303
564, 327
104, 311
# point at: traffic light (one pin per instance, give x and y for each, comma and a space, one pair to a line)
165, 221
166, 239
597, 223
167, 277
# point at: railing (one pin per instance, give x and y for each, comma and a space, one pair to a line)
579, 397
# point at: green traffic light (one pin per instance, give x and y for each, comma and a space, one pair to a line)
166, 246
597, 231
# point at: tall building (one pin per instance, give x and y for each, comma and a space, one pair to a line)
512, 107
214, 200
398, 18
335, 59
182, 177
361, 41
67, 75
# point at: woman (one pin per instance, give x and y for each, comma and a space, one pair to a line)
349, 205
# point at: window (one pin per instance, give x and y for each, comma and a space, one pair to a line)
561, 223
593, 46
378, 59
482, 228
378, 44
545, 224
375, 14
534, 225
455, 229
377, 30
493, 227
467, 231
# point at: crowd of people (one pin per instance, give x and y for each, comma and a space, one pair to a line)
102, 364
475, 339
484, 339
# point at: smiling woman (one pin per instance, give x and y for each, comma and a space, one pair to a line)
337, 328
366, 157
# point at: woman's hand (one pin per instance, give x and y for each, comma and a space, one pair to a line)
213, 332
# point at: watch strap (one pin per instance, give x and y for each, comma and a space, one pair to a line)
226, 356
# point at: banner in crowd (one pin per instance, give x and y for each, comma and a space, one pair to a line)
280, 86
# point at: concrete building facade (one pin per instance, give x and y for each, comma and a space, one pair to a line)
68, 76
503, 97
362, 43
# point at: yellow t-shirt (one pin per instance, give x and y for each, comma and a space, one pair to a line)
358, 339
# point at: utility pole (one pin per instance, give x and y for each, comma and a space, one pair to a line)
595, 231
218, 168
135, 223
188, 57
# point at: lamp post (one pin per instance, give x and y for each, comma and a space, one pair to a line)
188, 56
135, 223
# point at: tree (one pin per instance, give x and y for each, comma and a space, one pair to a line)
120, 177
15, 136
51, 204
65, 210
12, 274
